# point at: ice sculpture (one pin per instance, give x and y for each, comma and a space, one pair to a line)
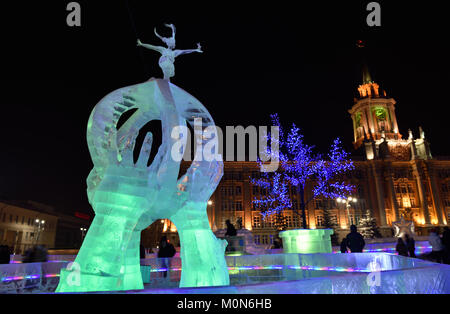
403, 227
127, 197
168, 55
307, 241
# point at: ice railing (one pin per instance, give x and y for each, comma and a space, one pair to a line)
30, 277
326, 273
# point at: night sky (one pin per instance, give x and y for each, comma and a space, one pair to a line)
300, 61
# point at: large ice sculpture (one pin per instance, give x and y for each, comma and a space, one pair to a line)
127, 197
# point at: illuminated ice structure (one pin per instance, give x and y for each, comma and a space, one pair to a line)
127, 197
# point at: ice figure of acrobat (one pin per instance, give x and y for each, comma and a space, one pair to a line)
128, 196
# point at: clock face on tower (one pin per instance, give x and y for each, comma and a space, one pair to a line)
380, 113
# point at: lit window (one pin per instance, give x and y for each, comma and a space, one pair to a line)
403, 189
256, 221
319, 221
289, 221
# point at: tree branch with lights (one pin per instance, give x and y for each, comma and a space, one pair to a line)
299, 165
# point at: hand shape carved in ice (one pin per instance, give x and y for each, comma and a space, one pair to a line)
122, 180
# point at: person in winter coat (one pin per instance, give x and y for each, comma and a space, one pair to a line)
355, 241
166, 251
437, 249
401, 248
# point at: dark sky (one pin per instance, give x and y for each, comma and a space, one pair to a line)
298, 60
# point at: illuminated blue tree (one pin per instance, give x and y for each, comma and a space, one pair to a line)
299, 165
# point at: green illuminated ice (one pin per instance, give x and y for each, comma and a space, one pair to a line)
128, 196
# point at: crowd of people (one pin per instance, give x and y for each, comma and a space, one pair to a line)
36, 254
440, 252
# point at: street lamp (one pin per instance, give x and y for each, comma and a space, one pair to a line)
210, 202
83, 233
40, 227
347, 202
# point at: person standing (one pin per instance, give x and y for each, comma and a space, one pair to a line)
355, 241
165, 252
410, 245
5, 256
446, 243
231, 232
344, 245
401, 248
437, 249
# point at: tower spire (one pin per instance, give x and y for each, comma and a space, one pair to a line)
366, 78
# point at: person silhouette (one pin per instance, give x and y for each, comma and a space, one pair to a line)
344, 245
401, 248
165, 252
5, 256
437, 248
410, 245
355, 241
231, 230
446, 243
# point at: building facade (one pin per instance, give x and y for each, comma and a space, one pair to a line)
24, 224
22, 228
396, 177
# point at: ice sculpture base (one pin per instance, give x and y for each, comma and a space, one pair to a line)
307, 241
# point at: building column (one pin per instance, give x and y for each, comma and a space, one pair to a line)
247, 200
392, 195
354, 127
380, 195
371, 121
310, 210
394, 119
436, 197
364, 123
422, 194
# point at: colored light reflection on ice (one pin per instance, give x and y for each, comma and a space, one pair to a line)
231, 269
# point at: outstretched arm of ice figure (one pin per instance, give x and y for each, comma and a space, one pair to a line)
151, 47
183, 52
